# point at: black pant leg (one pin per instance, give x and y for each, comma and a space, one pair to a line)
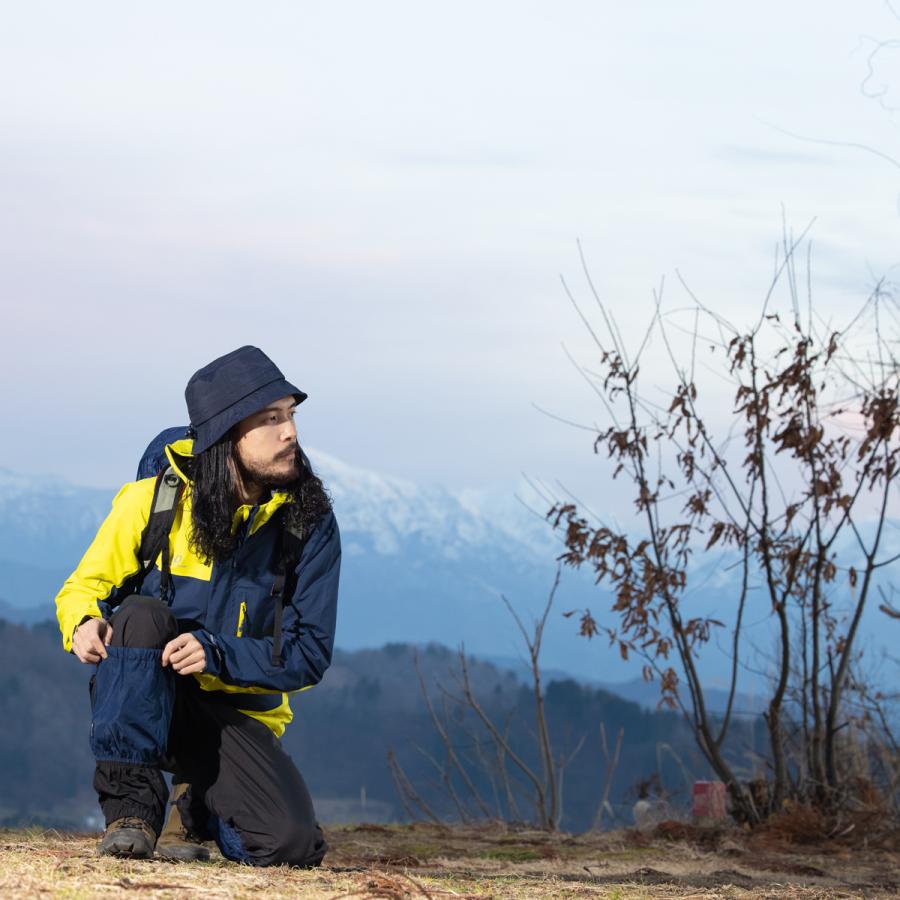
130, 788
143, 622
239, 772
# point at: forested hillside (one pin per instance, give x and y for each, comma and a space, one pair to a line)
369, 703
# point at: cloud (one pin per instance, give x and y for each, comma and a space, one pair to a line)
733, 153
455, 158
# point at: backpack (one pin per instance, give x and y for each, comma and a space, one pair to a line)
154, 539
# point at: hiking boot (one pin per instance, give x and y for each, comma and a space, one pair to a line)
177, 842
130, 838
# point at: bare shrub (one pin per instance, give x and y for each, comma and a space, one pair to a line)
478, 749
791, 488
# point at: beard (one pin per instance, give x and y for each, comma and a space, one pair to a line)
284, 470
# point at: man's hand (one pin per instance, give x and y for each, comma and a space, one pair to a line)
185, 654
90, 640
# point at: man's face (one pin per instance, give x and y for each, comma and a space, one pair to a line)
266, 444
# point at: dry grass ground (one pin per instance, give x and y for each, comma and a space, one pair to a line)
423, 861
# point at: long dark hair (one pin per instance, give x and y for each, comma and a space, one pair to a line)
214, 491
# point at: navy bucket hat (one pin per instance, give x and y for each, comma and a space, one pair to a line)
231, 388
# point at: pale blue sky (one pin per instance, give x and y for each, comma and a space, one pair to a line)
383, 196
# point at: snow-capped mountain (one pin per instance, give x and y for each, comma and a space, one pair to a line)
38, 514
383, 511
388, 512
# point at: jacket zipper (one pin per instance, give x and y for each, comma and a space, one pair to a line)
243, 531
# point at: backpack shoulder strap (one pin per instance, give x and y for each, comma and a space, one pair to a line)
292, 544
290, 548
155, 538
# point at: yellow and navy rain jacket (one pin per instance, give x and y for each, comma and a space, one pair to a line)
228, 606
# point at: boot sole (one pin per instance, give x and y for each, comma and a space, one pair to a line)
183, 852
125, 852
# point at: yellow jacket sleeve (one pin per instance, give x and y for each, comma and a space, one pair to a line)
109, 561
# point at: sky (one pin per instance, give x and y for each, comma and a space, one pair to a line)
384, 197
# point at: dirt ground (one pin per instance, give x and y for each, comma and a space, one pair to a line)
492, 861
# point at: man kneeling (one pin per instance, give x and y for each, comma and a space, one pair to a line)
208, 594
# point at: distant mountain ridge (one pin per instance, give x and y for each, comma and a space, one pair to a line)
420, 564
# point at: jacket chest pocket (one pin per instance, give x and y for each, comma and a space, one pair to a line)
255, 615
